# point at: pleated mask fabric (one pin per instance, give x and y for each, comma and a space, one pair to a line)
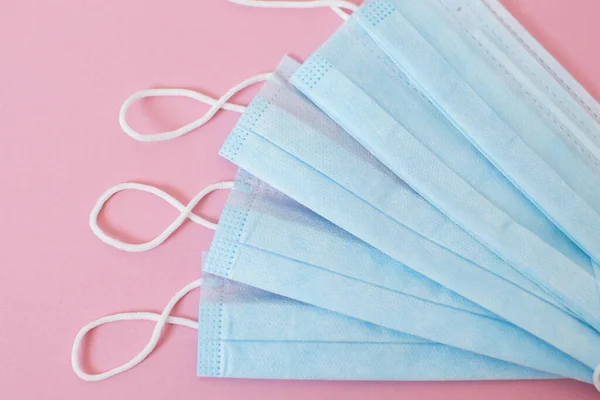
268, 241
384, 107
248, 333
245, 332
286, 141
529, 117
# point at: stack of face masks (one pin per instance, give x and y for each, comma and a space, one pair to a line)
418, 200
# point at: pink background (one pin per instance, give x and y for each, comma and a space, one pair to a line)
65, 68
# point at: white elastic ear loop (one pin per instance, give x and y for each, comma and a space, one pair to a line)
596, 378
214, 103
161, 320
340, 13
185, 212
335, 5
297, 4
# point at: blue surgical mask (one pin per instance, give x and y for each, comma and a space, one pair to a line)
243, 243
248, 333
286, 141
275, 212
314, 139
377, 101
313, 261
254, 211
545, 135
526, 113
534, 289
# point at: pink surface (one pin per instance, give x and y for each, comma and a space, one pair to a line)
65, 67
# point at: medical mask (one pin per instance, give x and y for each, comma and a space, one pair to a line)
306, 229
254, 211
543, 130
248, 333
244, 245
268, 241
557, 301
309, 159
507, 95
242, 354
379, 105
313, 138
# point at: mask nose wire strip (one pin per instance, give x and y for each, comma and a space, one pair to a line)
215, 104
160, 319
185, 213
335, 5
